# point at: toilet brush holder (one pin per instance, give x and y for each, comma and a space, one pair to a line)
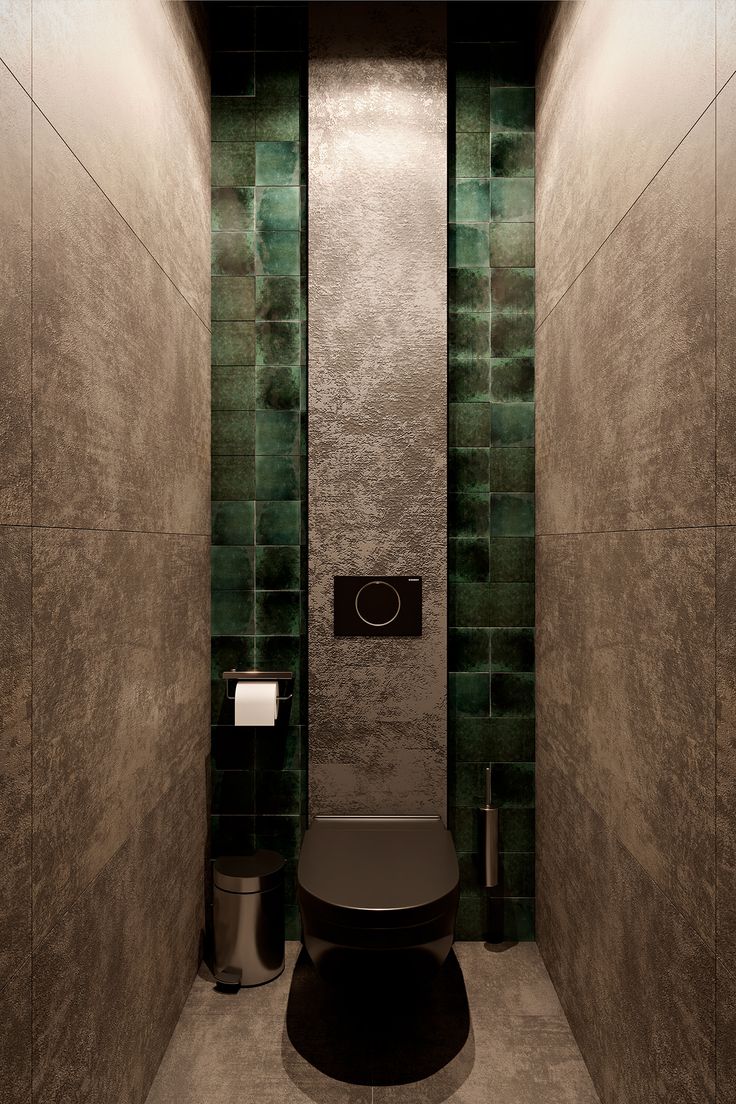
489, 836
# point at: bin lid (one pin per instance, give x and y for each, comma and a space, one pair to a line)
249, 873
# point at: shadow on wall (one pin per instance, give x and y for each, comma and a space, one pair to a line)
383, 1039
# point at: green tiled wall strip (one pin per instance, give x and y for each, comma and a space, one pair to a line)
491, 440
258, 415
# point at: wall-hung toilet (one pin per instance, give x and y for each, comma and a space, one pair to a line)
378, 895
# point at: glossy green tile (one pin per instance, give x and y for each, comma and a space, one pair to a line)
469, 695
468, 245
278, 522
470, 201
513, 785
510, 920
512, 244
232, 522
512, 425
232, 835
277, 433
277, 78
277, 253
512, 561
277, 122
468, 382
465, 828
232, 613
233, 432
232, 748
512, 199
233, 253
277, 567
233, 119
512, 334
233, 72
232, 792
512, 154
469, 290
233, 164
512, 469
512, 109
278, 792
471, 919
468, 560
512, 515
468, 515
232, 27
280, 749
277, 342
232, 208
512, 695
468, 469
278, 653
233, 342
277, 208
233, 477
277, 477
511, 63
510, 603
471, 874
277, 613
512, 288
468, 786
472, 88
512, 739
231, 653
277, 163
233, 298
231, 567
516, 830
233, 387
512, 649
281, 27
472, 737
277, 387
472, 155
468, 649
278, 298
515, 875
469, 604
469, 425
512, 379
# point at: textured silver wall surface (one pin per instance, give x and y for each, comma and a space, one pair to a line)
377, 397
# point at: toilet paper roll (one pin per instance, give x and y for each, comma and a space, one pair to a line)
256, 703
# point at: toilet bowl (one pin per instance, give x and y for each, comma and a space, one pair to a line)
378, 896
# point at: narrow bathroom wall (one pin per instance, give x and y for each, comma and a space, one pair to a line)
104, 522
635, 553
377, 397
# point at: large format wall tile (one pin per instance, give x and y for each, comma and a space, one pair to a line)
635, 982
726, 746
15, 302
725, 40
127, 90
15, 1036
625, 365
725, 1033
15, 39
625, 678
130, 942
726, 303
377, 373
618, 93
121, 640
120, 366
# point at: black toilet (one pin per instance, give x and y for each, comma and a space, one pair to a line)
378, 896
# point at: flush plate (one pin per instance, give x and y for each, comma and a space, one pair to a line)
378, 605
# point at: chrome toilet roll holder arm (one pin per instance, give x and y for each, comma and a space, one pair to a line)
232, 678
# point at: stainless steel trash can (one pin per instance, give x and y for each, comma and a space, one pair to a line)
249, 918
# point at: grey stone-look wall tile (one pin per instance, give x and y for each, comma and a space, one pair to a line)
726, 745
625, 675
726, 304
625, 365
15, 1036
725, 1032
120, 366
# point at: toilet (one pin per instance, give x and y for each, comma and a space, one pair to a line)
378, 896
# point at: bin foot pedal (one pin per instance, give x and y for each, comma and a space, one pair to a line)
230, 977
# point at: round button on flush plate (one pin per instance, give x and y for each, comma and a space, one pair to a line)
377, 603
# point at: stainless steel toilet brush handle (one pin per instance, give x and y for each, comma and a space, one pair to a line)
489, 828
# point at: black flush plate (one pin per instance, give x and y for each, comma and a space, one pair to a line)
378, 605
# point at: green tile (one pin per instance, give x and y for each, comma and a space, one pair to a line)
512, 334
231, 568
469, 290
512, 739
468, 469
512, 379
278, 653
277, 522
232, 27
277, 477
513, 785
471, 874
468, 245
516, 830
512, 649
277, 342
277, 78
512, 109
468, 649
472, 737
512, 199
233, 298
278, 298
277, 567
470, 201
232, 523
277, 433
512, 154
511, 920
233, 342
278, 792
277, 253
468, 789
512, 63
233, 164
281, 749
469, 695
232, 835
469, 425
233, 72
281, 27
510, 603
512, 288
469, 604
232, 792
512, 244
472, 89
471, 919
277, 208
233, 387
512, 425
277, 163
233, 432
469, 515
233, 477
512, 695
512, 515
512, 469
277, 613
233, 119
469, 339
277, 387
232, 613
232, 748
232, 253
512, 560
466, 829
277, 122
515, 875
468, 560
468, 382
231, 653
232, 208
472, 155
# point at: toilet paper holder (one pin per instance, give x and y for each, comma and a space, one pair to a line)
232, 678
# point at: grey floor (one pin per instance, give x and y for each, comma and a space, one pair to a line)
238, 1049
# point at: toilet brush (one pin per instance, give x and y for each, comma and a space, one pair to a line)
489, 826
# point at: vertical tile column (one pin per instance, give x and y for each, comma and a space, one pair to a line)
258, 404
491, 465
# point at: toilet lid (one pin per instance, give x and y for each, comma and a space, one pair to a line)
379, 869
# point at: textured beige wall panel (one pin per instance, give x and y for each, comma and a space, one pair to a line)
377, 396
726, 748
726, 302
617, 94
125, 86
15, 39
726, 40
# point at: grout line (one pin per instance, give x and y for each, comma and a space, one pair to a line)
31, 640
643, 529
102, 529
715, 581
